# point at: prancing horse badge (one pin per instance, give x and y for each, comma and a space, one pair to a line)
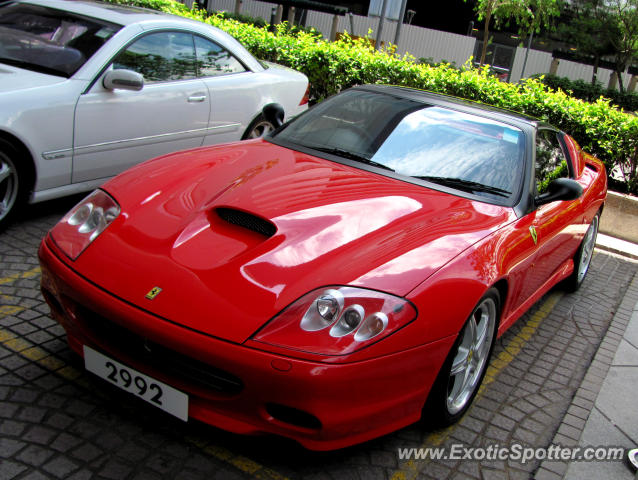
155, 291
532, 231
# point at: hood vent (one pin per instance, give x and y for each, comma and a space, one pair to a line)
247, 220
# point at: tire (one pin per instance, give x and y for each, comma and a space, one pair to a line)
258, 128
582, 259
465, 366
13, 184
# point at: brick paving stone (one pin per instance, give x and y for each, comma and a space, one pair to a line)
14, 362
59, 421
31, 372
82, 475
35, 455
65, 442
40, 435
147, 475
35, 475
10, 447
60, 467
11, 428
10, 470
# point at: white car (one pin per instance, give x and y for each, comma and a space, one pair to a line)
89, 89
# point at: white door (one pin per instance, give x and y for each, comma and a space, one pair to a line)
234, 91
115, 129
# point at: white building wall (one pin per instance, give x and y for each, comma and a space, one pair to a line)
537, 62
437, 45
221, 5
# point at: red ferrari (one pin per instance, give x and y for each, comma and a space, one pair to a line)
334, 281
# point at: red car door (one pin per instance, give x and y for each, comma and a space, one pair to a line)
556, 228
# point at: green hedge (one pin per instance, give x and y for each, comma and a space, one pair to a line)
600, 128
588, 92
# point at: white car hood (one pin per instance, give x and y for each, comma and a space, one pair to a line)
14, 79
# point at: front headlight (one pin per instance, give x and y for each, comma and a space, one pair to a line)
337, 320
84, 223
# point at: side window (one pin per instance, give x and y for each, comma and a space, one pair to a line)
550, 159
160, 57
214, 60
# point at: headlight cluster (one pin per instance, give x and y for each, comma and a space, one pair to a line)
84, 223
337, 320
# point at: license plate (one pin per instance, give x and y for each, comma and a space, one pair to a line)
142, 386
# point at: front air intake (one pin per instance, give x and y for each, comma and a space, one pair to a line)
247, 220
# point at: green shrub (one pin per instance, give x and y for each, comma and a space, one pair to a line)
600, 128
588, 92
257, 22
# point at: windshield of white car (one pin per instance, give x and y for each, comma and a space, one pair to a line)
438, 145
47, 40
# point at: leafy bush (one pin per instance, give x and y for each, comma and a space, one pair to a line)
588, 92
257, 22
600, 128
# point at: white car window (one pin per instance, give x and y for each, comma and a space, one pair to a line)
214, 60
47, 40
160, 57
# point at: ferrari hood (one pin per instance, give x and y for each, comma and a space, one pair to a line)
233, 234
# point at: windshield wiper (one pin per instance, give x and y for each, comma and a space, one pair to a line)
340, 152
465, 185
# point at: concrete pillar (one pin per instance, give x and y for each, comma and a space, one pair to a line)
613, 81
238, 7
632, 84
279, 15
291, 16
335, 26
553, 68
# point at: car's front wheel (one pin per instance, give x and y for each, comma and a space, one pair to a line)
12, 184
464, 369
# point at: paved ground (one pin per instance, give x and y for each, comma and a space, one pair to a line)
56, 421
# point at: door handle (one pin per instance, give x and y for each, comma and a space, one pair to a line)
196, 98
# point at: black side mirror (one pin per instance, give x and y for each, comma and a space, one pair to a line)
560, 189
274, 114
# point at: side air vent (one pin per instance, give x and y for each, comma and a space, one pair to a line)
247, 220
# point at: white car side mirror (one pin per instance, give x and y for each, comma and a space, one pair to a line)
123, 79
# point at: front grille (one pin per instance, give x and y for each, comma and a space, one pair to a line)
247, 220
161, 358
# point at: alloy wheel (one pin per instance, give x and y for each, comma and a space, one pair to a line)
260, 129
472, 355
8, 185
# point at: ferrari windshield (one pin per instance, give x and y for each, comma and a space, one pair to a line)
458, 150
47, 40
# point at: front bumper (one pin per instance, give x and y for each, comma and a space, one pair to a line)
323, 406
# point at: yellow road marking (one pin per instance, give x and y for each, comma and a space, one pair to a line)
409, 470
34, 272
6, 310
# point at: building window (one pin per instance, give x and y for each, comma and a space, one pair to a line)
392, 9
